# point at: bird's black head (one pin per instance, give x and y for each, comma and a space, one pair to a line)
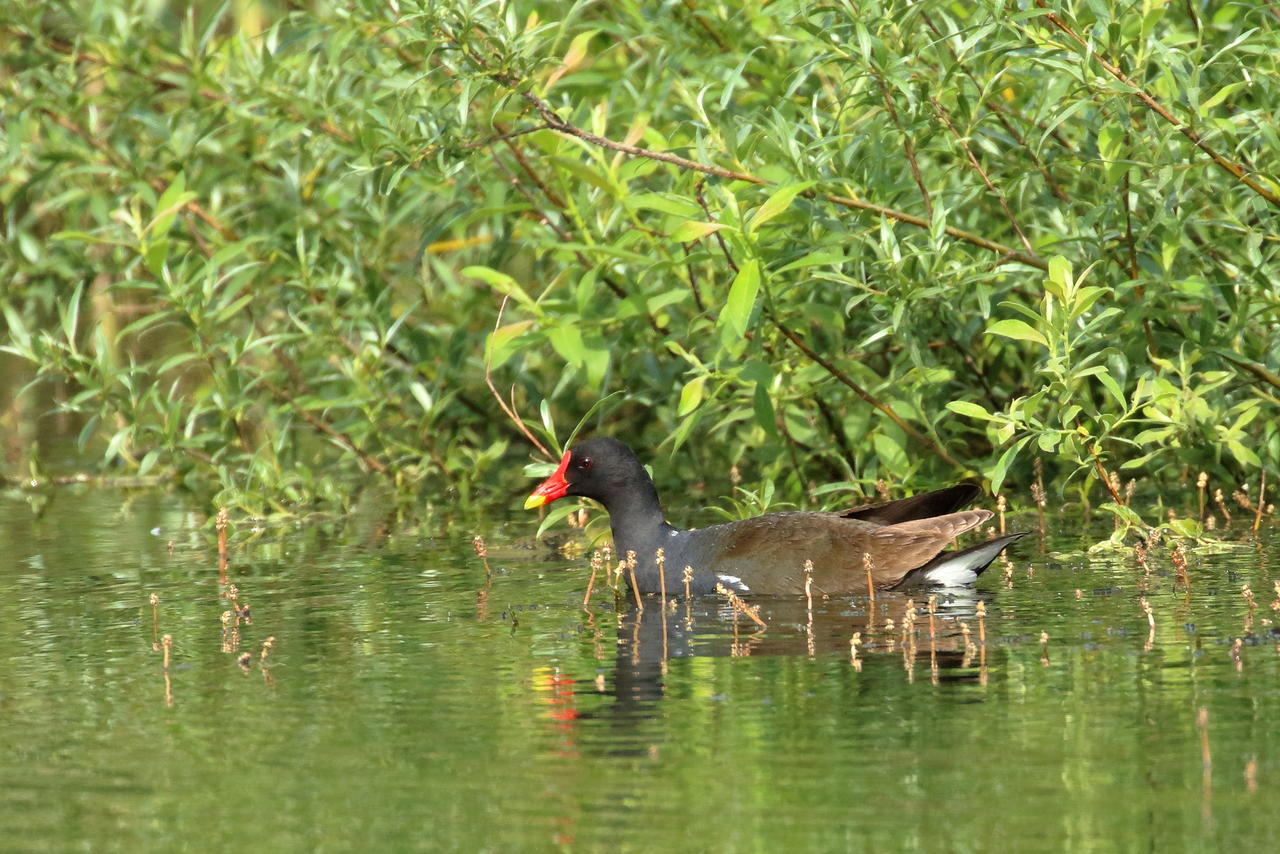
601, 468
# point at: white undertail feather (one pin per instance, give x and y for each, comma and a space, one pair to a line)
963, 567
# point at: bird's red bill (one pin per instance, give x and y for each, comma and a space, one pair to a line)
552, 488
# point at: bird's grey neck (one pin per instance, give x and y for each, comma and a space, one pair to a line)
638, 524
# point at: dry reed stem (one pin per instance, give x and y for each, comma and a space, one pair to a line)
482, 551
596, 562
1179, 558
808, 587
222, 521
1202, 483
660, 556
871, 586
1206, 763
1038, 494
735, 601
808, 599
1002, 505
166, 644
155, 621
909, 622
1262, 501
1222, 506
635, 588
688, 581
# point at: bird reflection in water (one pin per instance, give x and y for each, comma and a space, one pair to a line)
895, 630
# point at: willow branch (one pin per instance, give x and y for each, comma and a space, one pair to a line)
867, 396
1233, 169
982, 173
556, 123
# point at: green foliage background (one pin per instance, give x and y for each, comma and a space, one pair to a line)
261, 248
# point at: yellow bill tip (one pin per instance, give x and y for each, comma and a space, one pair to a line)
534, 500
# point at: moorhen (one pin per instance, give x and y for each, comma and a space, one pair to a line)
765, 555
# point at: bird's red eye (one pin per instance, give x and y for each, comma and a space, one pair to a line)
584, 463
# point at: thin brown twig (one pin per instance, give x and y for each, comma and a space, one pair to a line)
1001, 112
156, 183
829, 367
371, 462
1260, 371
1262, 502
1005, 252
982, 173
560, 231
908, 147
504, 137
702, 22
509, 411
861, 392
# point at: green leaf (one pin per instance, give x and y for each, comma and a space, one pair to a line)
555, 514
1189, 528
815, 259
567, 341
890, 453
666, 203
972, 410
691, 395
70, 316
687, 232
1113, 388
503, 284
1243, 454
778, 203
1126, 514
742, 299
174, 198
505, 341
1017, 329
1001, 468
1221, 95
763, 406
1059, 276
422, 395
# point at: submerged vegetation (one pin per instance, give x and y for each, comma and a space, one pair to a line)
269, 254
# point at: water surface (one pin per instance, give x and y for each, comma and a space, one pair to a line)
408, 703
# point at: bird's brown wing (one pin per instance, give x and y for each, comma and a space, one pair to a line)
924, 506
766, 554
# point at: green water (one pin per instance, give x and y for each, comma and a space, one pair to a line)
405, 707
